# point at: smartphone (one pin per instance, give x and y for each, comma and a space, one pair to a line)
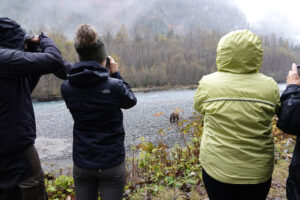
107, 62
298, 69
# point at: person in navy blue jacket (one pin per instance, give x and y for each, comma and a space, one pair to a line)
21, 175
95, 95
289, 122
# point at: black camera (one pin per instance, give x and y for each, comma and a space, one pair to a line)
32, 46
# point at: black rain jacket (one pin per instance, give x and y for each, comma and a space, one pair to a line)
95, 100
289, 122
19, 73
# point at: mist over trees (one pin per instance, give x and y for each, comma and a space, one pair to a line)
158, 16
156, 43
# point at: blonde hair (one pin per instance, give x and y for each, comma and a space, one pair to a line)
86, 35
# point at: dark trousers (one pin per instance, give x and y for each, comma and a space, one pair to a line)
32, 188
109, 182
293, 181
222, 191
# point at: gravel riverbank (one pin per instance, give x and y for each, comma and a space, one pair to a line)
54, 124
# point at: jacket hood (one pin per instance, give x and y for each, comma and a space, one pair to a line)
11, 34
239, 52
87, 73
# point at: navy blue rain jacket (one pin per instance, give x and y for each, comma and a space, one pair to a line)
95, 100
289, 122
19, 73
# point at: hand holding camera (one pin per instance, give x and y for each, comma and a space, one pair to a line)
32, 44
293, 77
35, 39
111, 65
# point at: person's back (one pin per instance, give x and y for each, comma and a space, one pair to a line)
93, 99
20, 169
95, 95
238, 104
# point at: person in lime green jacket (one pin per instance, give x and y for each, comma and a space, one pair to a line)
237, 104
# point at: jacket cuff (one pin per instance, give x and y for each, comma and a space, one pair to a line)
43, 41
42, 36
116, 75
292, 86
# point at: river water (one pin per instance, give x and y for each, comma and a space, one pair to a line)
55, 124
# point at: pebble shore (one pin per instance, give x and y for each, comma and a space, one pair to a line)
151, 114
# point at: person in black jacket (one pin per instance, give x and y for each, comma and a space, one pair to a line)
21, 176
289, 122
95, 95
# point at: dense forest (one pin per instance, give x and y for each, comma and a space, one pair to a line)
171, 59
156, 43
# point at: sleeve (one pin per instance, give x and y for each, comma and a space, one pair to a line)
199, 98
289, 113
19, 63
127, 98
277, 97
63, 71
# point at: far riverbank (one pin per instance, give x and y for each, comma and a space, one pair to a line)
48, 98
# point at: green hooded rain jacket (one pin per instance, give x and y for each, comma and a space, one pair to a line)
237, 104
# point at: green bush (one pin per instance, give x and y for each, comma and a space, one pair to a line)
59, 188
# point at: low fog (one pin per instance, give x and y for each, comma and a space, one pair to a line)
158, 15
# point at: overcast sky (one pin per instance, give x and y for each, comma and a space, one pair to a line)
288, 11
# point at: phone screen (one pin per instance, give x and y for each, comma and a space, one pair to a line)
298, 69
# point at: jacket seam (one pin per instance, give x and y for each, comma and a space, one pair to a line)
248, 100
